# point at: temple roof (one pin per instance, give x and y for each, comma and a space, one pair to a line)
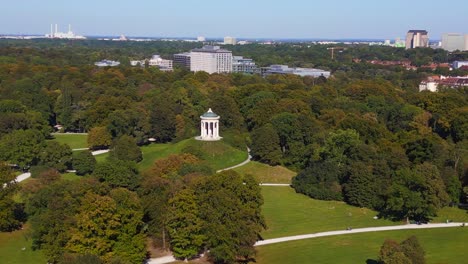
210, 113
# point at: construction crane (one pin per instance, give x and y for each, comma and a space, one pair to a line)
333, 51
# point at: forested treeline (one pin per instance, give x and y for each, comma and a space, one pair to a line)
364, 136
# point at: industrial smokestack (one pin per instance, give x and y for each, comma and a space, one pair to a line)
56, 28
51, 31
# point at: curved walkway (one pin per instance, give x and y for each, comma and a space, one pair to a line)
354, 231
27, 175
249, 157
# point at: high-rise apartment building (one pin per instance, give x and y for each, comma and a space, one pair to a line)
417, 38
230, 41
453, 41
211, 59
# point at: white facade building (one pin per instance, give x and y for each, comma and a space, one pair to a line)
211, 59
201, 38
453, 41
107, 63
209, 127
283, 69
244, 65
164, 65
230, 41
155, 61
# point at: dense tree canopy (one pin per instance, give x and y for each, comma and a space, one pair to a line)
365, 136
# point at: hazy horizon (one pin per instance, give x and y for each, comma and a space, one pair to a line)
261, 19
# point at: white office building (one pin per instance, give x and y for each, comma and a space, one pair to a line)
283, 69
230, 41
453, 41
243, 65
155, 61
211, 59
107, 63
162, 64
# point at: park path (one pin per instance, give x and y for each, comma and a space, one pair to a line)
161, 260
27, 175
169, 259
354, 231
249, 157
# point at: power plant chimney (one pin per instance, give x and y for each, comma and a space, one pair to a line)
56, 29
51, 31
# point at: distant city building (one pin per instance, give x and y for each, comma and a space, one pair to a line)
211, 59
121, 38
283, 69
459, 64
230, 41
399, 43
417, 38
155, 61
63, 35
244, 65
201, 38
432, 83
453, 41
162, 64
466, 42
107, 63
387, 42
182, 59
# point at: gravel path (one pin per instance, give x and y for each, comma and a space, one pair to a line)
23, 176
249, 157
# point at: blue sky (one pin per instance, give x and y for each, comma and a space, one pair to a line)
240, 18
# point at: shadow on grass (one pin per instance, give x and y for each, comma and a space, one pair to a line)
372, 261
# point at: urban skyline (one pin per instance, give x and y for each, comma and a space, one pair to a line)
242, 19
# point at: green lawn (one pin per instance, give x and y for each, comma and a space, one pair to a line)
12, 245
288, 213
75, 141
218, 154
70, 176
101, 157
442, 246
266, 173
451, 213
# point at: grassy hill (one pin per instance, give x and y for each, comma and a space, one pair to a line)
266, 173
217, 154
288, 213
446, 245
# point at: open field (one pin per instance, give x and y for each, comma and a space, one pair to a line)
445, 245
217, 154
453, 214
15, 248
288, 213
266, 173
75, 141
71, 176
